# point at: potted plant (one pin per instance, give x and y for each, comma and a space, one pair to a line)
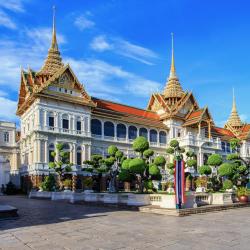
201, 185
67, 184
242, 194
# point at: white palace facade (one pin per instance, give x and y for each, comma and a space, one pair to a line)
54, 107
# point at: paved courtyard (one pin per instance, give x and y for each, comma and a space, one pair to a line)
51, 225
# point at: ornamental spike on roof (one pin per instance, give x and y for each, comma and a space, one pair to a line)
234, 119
53, 61
173, 87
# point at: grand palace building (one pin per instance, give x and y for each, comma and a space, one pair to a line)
54, 107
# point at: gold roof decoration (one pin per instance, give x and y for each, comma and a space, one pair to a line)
173, 87
53, 61
234, 119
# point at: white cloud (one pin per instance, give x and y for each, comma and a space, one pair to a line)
106, 80
6, 21
100, 43
83, 22
124, 48
13, 5
9, 110
31, 49
243, 117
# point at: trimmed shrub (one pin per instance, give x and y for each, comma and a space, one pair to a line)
226, 169
154, 170
125, 176
174, 144
191, 163
49, 183
148, 153
148, 185
112, 150
227, 184
140, 144
160, 161
232, 157
205, 170
125, 164
170, 150
137, 166
119, 154
214, 160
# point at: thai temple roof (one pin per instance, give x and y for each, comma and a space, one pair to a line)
53, 61
173, 87
234, 119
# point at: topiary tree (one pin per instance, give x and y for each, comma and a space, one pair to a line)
160, 161
148, 153
137, 166
205, 170
226, 170
215, 160
140, 144
62, 165
227, 184
241, 166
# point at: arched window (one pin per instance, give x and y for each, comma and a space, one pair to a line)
65, 123
121, 131
96, 127
153, 136
79, 156
109, 129
51, 150
163, 137
66, 148
143, 132
132, 132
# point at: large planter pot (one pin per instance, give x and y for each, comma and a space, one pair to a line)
243, 199
222, 198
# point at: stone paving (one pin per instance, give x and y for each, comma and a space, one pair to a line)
49, 225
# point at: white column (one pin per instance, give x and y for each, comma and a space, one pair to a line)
83, 125
45, 119
38, 119
59, 122
115, 131
127, 133
102, 129
39, 151
74, 154
46, 160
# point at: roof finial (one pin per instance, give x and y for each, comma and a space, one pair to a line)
234, 103
172, 69
54, 41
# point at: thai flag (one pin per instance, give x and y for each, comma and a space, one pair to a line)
179, 182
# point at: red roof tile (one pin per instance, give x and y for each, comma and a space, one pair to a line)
103, 104
223, 131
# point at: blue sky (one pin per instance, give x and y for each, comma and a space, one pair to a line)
120, 50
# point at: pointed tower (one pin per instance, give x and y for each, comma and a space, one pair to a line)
234, 119
173, 90
53, 61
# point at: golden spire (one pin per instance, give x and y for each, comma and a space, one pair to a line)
53, 61
234, 119
172, 69
173, 88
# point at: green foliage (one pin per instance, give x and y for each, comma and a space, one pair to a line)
137, 166
119, 154
214, 160
140, 144
226, 169
148, 185
170, 150
171, 171
232, 157
10, 188
174, 144
49, 183
170, 165
205, 170
154, 170
182, 150
125, 175
227, 184
160, 161
242, 191
148, 153
102, 169
242, 169
112, 150
96, 157
125, 164
234, 143
109, 162
190, 154
191, 163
